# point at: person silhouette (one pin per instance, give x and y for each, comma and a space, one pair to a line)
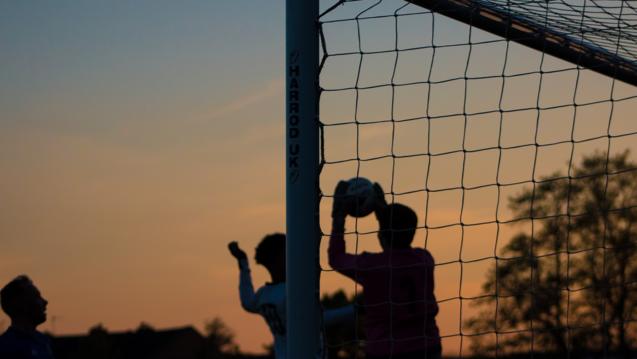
398, 283
23, 303
269, 300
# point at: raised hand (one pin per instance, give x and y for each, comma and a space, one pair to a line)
339, 207
381, 205
379, 197
236, 252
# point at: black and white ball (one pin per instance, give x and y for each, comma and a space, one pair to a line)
360, 197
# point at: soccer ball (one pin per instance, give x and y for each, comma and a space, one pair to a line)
360, 197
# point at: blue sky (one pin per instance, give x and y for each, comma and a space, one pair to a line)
191, 53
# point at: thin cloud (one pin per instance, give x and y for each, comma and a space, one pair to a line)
273, 89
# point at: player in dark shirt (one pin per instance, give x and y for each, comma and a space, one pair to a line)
398, 282
23, 303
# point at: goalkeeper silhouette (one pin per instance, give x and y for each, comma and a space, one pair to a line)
398, 283
269, 300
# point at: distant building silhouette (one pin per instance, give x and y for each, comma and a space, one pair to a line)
143, 343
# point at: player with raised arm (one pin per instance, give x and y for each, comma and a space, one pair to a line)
269, 300
398, 283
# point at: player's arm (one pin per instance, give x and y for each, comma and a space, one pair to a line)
338, 258
246, 289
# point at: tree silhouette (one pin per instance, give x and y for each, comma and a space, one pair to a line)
97, 344
569, 283
343, 340
220, 338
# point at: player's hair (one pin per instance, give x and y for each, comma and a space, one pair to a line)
270, 246
13, 292
397, 225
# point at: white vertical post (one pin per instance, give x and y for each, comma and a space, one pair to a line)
302, 156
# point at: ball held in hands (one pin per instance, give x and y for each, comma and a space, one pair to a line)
357, 197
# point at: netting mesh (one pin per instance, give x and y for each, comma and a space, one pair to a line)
606, 25
519, 165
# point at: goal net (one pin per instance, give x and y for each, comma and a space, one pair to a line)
509, 127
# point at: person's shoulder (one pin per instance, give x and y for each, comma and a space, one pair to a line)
423, 253
271, 288
6, 336
42, 337
271, 294
7, 342
261, 289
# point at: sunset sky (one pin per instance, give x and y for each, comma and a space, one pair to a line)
138, 138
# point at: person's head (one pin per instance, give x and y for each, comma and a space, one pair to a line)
397, 224
22, 302
271, 253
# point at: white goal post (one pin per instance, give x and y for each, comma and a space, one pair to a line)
302, 161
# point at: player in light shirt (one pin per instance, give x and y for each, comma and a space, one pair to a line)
269, 300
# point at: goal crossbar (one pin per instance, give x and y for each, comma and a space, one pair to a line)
537, 36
